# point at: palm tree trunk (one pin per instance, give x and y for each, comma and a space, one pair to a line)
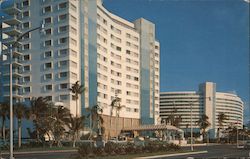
74, 140
19, 133
3, 128
76, 105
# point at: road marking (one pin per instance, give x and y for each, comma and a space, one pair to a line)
170, 155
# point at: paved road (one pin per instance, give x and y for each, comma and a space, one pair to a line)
47, 155
216, 151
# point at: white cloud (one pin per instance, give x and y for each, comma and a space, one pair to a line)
248, 1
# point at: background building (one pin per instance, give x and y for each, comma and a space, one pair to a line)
83, 42
205, 101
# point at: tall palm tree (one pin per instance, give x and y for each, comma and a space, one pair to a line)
75, 124
96, 119
221, 119
77, 89
4, 112
37, 112
60, 116
203, 123
19, 111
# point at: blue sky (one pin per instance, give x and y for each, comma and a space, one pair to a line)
201, 40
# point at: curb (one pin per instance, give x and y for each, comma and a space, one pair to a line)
170, 155
36, 152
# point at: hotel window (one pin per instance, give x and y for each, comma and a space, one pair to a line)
26, 14
62, 40
128, 52
26, 57
48, 20
47, 9
26, 46
63, 74
62, 29
48, 32
26, 68
26, 89
48, 87
26, 36
62, 63
62, 17
118, 48
48, 76
26, 25
48, 65
47, 54
63, 97
63, 86
62, 5
26, 79
48, 43
63, 52
26, 3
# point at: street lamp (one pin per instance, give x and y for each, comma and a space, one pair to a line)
11, 96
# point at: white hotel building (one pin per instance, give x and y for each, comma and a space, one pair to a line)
204, 101
83, 42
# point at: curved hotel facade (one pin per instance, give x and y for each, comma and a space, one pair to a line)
85, 42
205, 101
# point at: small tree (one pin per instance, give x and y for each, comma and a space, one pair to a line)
203, 123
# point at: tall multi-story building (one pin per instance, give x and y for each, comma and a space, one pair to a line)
85, 42
205, 101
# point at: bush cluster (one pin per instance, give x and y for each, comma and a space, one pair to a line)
86, 150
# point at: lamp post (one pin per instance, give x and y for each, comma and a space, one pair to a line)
11, 96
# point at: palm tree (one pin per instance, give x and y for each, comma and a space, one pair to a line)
221, 119
37, 112
96, 120
75, 124
203, 123
4, 112
77, 89
60, 116
19, 111
117, 105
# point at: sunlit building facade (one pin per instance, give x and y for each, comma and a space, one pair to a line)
84, 42
204, 101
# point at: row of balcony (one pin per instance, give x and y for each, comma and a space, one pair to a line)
13, 30
16, 62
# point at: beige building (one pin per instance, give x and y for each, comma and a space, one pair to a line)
84, 42
205, 101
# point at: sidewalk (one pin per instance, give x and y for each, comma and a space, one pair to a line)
34, 152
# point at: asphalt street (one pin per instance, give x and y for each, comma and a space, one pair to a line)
214, 152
